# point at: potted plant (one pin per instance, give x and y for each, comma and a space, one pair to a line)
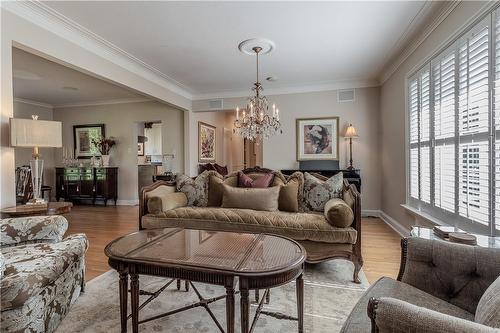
104, 145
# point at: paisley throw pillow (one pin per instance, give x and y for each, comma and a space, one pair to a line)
317, 192
196, 190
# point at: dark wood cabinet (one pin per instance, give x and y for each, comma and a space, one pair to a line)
87, 184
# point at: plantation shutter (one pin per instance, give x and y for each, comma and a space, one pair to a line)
425, 159
473, 109
414, 138
496, 118
443, 82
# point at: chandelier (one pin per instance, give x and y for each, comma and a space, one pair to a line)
257, 121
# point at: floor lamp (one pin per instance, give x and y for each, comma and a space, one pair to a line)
350, 134
34, 133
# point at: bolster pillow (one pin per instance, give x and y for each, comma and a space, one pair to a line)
166, 202
338, 213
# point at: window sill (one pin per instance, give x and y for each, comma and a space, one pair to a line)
423, 215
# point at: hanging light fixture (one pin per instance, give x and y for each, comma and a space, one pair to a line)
257, 120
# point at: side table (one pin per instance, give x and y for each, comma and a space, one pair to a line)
52, 208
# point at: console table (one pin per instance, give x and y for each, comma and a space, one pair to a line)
352, 176
87, 183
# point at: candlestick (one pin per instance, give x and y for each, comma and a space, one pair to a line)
277, 114
237, 113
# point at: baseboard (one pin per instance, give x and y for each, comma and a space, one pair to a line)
395, 225
370, 213
133, 202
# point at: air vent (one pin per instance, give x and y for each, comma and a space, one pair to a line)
215, 104
345, 95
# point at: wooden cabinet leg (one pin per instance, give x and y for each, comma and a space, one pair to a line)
134, 297
123, 300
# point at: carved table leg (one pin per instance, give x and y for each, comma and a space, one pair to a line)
300, 302
186, 285
229, 305
123, 300
257, 297
178, 284
134, 298
244, 305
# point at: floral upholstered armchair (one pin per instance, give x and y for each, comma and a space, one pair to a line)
41, 273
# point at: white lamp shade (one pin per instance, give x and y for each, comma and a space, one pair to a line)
350, 132
35, 133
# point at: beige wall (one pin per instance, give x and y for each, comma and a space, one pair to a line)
121, 123
280, 150
392, 106
23, 155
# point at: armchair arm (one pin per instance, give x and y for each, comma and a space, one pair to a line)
456, 273
393, 315
21, 230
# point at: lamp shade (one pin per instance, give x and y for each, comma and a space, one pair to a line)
350, 132
35, 133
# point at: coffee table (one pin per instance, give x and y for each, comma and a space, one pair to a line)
51, 208
259, 261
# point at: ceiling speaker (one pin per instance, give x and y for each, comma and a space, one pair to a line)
215, 104
345, 95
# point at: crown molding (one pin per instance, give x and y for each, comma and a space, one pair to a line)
32, 102
103, 102
393, 66
49, 19
306, 88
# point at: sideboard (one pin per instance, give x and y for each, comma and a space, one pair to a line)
87, 184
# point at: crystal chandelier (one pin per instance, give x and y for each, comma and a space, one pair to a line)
256, 121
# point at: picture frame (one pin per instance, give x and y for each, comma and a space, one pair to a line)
140, 148
82, 140
317, 138
207, 143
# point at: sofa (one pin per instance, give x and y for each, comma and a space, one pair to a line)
441, 287
42, 274
322, 240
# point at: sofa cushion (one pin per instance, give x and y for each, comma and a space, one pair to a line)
165, 202
29, 268
318, 192
196, 190
262, 199
488, 308
338, 213
298, 226
358, 320
262, 181
290, 193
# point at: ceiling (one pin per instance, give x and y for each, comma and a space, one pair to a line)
195, 43
39, 80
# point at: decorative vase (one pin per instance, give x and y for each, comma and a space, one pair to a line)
105, 160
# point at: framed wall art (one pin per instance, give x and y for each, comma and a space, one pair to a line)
317, 138
82, 139
207, 142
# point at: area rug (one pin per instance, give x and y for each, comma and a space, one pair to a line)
329, 296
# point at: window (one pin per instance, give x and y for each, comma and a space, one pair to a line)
454, 131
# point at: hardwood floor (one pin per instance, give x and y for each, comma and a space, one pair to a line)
380, 244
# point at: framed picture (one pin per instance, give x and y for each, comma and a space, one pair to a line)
82, 139
207, 142
140, 148
317, 138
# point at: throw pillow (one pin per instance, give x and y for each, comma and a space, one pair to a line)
291, 189
348, 198
222, 170
265, 199
488, 308
318, 192
196, 190
338, 213
166, 202
259, 182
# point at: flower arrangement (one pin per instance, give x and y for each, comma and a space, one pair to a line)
104, 145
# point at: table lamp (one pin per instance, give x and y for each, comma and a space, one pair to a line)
34, 133
350, 134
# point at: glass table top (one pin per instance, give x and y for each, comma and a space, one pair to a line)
236, 252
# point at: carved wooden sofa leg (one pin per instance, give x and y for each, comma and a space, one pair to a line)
358, 263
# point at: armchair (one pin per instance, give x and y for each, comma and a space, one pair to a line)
43, 274
441, 287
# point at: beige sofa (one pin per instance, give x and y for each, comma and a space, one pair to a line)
321, 240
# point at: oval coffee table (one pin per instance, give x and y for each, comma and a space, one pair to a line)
259, 261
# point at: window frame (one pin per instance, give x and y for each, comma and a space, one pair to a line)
489, 20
